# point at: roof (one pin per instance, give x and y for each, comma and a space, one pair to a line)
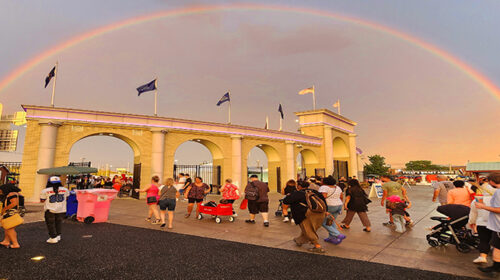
483, 166
67, 170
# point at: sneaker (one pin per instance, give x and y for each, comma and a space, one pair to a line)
388, 223
480, 260
293, 221
286, 219
58, 238
266, 224
335, 241
341, 237
318, 250
250, 221
52, 240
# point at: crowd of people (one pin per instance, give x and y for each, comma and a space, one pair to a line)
311, 204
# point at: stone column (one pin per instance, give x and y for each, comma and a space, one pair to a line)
158, 153
328, 143
236, 160
46, 155
290, 161
353, 156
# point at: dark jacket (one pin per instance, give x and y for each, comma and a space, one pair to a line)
295, 200
263, 190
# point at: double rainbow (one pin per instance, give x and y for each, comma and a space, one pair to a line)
488, 85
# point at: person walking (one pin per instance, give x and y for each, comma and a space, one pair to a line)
168, 199
258, 201
441, 189
152, 199
290, 187
309, 221
356, 201
493, 222
195, 193
54, 197
460, 194
230, 193
478, 221
9, 202
390, 187
333, 197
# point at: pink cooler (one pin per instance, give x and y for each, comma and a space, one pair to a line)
93, 205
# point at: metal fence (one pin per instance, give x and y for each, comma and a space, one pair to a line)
211, 175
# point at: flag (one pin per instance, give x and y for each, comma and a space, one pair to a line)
224, 98
50, 76
307, 90
337, 104
280, 109
147, 87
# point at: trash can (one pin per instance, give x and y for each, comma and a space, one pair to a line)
71, 205
93, 205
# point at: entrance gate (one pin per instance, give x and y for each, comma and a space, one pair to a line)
210, 174
340, 169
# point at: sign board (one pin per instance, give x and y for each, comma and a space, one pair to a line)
376, 191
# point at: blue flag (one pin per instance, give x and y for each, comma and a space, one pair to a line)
280, 109
49, 77
147, 87
224, 98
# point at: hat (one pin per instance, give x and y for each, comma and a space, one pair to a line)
55, 179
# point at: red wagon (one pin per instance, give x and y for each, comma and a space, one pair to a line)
217, 211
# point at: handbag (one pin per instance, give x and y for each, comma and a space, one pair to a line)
13, 220
151, 199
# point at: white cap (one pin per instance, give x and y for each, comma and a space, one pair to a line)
55, 179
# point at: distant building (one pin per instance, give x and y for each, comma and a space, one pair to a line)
483, 168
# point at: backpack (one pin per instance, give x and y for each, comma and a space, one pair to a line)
252, 192
314, 202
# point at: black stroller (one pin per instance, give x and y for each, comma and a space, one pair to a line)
452, 229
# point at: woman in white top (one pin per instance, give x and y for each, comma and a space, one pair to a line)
333, 195
478, 220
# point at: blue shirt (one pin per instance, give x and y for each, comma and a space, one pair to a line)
493, 218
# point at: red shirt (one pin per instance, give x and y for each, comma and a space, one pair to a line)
117, 186
230, 192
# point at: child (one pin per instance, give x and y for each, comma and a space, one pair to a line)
54, 196
398, 207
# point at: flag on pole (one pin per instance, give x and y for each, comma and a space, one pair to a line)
50, 76
224, 98
337, 104
307, 90
147, 87
280, 109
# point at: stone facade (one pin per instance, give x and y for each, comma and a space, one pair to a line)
52, 132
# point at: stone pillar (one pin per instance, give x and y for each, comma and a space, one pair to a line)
46, 155
158, 153
236, 160
328, 143
353, 156
290, 161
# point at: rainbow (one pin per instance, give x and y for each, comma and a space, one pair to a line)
474, 74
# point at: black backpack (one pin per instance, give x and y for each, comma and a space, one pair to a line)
252, 192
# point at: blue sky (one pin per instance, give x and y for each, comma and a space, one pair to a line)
428, 107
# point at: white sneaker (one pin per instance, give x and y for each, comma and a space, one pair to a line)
52, 240
58, 238
286, 219
293, 221
480, 260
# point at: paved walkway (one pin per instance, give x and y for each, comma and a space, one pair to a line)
382, 245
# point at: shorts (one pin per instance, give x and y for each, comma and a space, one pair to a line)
255, 207
495, 240
194, 200
168, 203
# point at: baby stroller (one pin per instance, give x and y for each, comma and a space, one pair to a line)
452, 229
279, 212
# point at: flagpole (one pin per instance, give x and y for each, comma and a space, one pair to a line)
156, 96
338, 107
229, 110
314, 100
281, 124
54, 85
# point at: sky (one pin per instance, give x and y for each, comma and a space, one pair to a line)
409, 104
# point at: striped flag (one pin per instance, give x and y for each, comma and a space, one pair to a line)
307, 90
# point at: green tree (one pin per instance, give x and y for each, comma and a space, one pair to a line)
377, 165
423, 165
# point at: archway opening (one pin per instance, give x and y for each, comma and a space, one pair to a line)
115, 157
264, 161
199, 157
340, 158
307, 165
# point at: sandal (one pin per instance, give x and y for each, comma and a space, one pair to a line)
345, 226
5, 245
148, 219
365, 229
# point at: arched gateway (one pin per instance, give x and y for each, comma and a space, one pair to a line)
51, 132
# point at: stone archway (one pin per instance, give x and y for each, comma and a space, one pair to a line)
309, 162
274, 171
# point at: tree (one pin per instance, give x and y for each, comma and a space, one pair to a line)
423, 165
377, 165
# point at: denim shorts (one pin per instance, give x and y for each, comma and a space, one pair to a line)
168, 203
